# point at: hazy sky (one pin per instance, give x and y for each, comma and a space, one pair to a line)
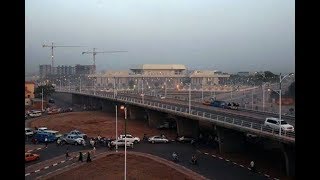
226, 35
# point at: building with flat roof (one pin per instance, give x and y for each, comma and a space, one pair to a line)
159, 69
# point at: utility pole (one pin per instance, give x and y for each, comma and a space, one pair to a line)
42, 99
190, 98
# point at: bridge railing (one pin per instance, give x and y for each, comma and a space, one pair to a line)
251, 126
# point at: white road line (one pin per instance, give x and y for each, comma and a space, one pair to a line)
276, 179
241, 165
234, 163
54, 164
249, 168
46, 167
27, 174
199, 151
266, 175
213, 155
206, 153
220, 158
227, 160
37, 170
62, 161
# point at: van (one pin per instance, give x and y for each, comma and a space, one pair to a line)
40, 136
275, 124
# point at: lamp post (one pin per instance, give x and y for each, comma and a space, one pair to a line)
142, 94
42, 99
114, 87
125, 141
116, 127
165, 88
190, 98
279, 92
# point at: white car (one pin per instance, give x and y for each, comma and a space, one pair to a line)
121, 142
28, 131
275, 124
130, 138
35, 113
42, 129
157, 139
78, 133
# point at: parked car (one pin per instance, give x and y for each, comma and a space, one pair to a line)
130, 138
35, 113
31, 157
78, 133
54, 133
184, 139
157, 139
72, 139
121, 142
275, 124
41, 136
41, 129
28, 131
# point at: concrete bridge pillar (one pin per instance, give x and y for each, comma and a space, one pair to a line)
230, 140
290, 158
155, 118
136, 113
187, 127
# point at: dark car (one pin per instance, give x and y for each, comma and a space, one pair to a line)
185, 139
51, 100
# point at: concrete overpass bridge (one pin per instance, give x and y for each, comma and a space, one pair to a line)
231, 131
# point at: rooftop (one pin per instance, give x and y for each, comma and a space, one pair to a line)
160, 66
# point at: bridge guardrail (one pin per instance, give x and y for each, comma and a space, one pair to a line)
251, 126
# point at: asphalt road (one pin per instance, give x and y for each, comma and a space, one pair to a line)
210, 167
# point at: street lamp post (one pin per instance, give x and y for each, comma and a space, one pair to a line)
116, 127
42, 99
280, 101
190, 98
125, 141
165, 88
142, 94
114, 87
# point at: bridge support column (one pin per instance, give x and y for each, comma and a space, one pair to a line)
290, 159
136, 113
187, 127
155, 118
230, 140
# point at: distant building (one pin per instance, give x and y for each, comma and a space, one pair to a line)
84, 69
243, 73
159, 69
65, 70
29, 92
44, 70
208, 77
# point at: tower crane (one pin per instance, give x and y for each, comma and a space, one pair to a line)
94, 53
54, 46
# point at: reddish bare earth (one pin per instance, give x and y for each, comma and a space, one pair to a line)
111, 167
95, 122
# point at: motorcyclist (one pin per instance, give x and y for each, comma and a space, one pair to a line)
175, 156
194, 159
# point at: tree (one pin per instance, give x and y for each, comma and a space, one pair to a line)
48, 89
291, 90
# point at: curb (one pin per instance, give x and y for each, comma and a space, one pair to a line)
242, 166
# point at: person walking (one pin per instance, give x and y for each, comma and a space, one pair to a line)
88, 157
80, 157
46, 142
67, 153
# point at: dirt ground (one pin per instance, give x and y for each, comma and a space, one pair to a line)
95, 123
111, 167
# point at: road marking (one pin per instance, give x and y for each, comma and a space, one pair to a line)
46, 167
213, 155
227, 160
27, 174
220, 157
206, 153
39, 148
276, 179
235, 163
266, 175
62, 161
241, 165
54, 164
199, 151
37, 170
249, 168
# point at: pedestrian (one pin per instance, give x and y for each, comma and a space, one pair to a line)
67, 153
252, 166
88, 157
94, 151
46, 142
80, 157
